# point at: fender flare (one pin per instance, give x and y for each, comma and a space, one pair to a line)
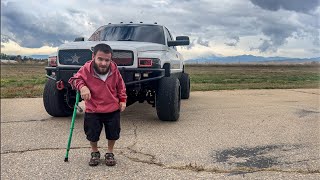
167, 67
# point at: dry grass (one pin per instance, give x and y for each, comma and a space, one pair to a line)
28, 80
220, 77
22, 80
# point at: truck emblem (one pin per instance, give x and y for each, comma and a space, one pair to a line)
75, 58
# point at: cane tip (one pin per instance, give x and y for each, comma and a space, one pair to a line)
65, 159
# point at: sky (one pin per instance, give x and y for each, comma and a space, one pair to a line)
288, 28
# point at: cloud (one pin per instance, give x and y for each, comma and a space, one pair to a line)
33, 25
35, 30
266, 45
233, 41
291, 5
277, 35
316, 51
191, 45
203, 42
194, 41
4, 38
12, 47
278, 27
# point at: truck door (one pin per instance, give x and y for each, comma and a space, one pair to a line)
176, 63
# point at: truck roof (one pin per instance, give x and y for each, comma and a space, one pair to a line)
135, 24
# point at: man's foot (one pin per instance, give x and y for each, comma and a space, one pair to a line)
95, 159
110, 161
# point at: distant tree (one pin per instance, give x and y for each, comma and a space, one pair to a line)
18, 58
25, 59
4, 56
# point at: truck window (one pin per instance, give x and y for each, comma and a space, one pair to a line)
140, 33
169, 37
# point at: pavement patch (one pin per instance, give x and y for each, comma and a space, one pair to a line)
303, 113
253, 157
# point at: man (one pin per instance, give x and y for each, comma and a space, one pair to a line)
103, 90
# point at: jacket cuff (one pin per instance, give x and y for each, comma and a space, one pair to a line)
123, 100
80, 86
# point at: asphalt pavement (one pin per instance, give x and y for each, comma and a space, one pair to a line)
234, 134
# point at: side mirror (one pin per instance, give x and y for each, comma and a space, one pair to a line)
79, 39
180, 41
182, 38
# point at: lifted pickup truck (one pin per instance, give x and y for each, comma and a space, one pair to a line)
147, 59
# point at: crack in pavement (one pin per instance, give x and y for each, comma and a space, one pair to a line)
192, 167
152, 160
46, 149
199, 168
135, 135
40, 149
29, 120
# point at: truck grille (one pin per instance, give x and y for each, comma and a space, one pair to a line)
74, 56
81, 56
123, 58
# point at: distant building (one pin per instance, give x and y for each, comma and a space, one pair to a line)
4, 61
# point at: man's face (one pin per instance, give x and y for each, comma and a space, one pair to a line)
101, 62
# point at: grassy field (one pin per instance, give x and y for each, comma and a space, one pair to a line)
27, 80
221, 77
22, 80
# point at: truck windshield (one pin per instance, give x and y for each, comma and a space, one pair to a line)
140, 33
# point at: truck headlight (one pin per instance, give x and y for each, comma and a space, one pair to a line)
149, 63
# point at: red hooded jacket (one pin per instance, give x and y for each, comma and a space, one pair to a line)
105, 95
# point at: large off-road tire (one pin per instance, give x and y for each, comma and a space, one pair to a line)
54, 100
168, 98
185, 86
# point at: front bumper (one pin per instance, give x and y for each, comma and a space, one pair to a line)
128, 74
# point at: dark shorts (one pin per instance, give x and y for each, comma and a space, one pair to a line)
94, 122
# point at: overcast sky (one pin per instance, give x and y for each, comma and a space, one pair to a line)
216, 27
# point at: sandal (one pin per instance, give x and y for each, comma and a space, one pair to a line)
95, 159
110, 161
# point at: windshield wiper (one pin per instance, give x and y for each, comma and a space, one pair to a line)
124, 40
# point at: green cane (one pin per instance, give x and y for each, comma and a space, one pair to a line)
72, 125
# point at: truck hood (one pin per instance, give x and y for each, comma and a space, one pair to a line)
116, 45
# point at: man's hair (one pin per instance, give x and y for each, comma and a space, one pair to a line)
102, 47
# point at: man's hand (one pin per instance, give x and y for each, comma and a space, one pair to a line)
122, 106
85, 93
